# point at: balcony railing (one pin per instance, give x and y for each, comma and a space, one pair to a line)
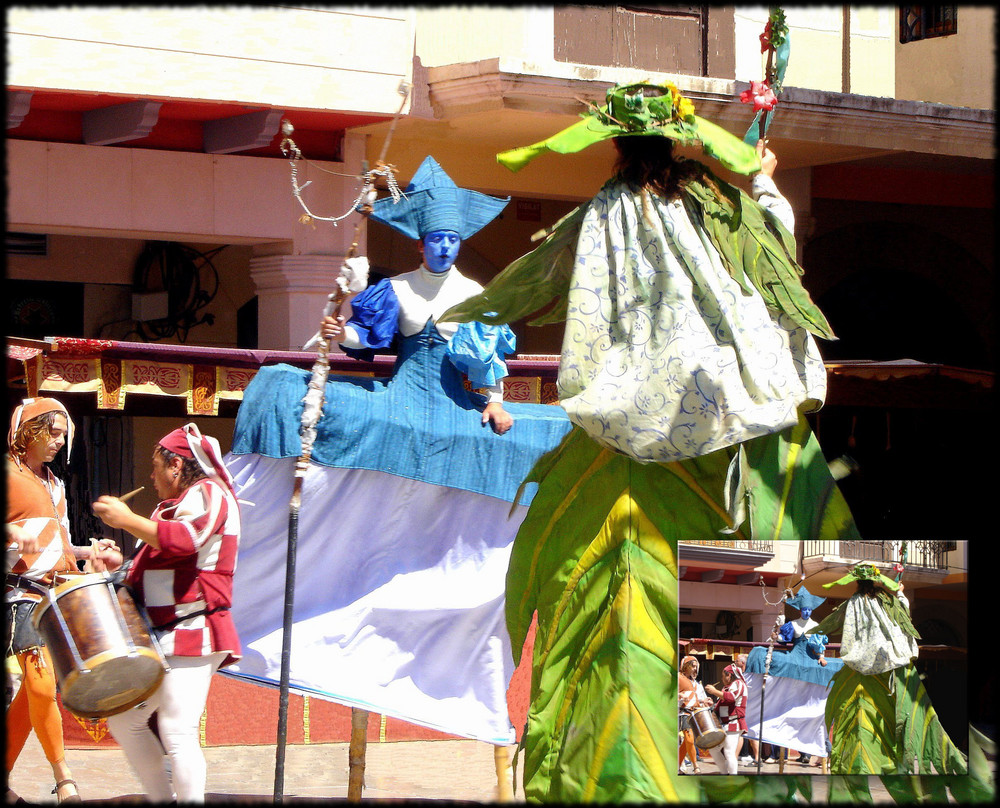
746, 545
920, 554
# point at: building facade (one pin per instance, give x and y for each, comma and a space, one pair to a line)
149, 200
730, 599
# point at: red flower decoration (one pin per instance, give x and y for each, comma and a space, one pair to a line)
760, 95
897, 568
765, 38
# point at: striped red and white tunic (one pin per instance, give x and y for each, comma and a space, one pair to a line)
187, 584
732, 706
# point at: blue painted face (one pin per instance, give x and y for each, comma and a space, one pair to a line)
440, 248
806, 612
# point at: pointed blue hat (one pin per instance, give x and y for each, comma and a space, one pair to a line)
432, 202
804, 599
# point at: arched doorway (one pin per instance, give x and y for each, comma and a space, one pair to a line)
894, 291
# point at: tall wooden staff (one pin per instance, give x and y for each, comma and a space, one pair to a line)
778, 622
353, 277
763, 688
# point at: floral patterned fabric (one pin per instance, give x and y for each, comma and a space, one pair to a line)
872, 641
665, 356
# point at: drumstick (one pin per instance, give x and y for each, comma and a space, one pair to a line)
80, 552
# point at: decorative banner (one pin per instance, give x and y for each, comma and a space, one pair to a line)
522, 389
96, 728
112, 393
201, 385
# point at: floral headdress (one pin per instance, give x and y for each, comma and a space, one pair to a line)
865, 571
642, 110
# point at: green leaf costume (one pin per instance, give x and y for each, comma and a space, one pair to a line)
881, 717
596, 556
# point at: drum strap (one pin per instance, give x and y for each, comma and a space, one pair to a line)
26, 584
170, 624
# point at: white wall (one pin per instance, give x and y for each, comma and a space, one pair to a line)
322, 58
816, 59
454, 34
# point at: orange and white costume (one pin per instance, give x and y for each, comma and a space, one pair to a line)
38, 506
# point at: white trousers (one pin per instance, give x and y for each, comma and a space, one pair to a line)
178, 703
724, 754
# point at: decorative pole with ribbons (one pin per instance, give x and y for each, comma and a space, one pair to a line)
778, 622
353, 277
764, 94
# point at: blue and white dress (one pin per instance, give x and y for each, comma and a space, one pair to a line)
405, 525
795, 693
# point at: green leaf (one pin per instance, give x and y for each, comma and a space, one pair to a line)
726, 148
596, 557
533, 282
849, 789
792, 492
862, 713
574, 138
755, 247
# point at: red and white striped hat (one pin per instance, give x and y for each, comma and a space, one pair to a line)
187, 441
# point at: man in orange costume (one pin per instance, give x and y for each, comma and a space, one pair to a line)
38, 548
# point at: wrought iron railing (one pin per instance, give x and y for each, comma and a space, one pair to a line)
922, 554
746, 545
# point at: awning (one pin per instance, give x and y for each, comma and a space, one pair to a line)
710, 648
908, 383
205, 376
202, 376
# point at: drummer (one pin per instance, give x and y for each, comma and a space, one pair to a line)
183, 574
731, 707
691, 695
38, 549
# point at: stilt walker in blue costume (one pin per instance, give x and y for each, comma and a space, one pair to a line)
794, 695
405, 523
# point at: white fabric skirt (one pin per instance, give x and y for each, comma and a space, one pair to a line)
399, 594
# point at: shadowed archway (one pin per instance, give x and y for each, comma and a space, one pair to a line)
894, 291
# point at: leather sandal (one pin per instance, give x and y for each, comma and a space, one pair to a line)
71, 797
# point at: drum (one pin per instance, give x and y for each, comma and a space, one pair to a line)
105, 658
707, 728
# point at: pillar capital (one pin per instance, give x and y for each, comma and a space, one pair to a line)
292, 291
275, 274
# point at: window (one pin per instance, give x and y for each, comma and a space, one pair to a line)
670, 39
924, 22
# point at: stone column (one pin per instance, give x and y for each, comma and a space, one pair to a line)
763, 621
292, 291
